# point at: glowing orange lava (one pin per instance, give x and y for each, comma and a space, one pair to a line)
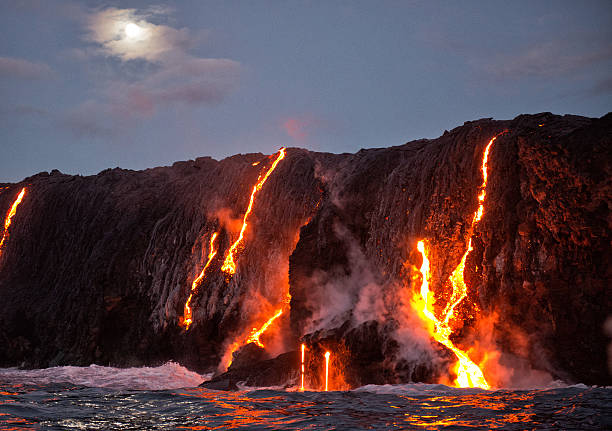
9, 217
229, 265
326, 369
302, 371
187, 316
468, 373
256, 333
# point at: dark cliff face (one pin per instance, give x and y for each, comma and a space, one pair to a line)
97, 269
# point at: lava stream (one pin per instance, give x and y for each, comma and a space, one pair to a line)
187, 316
326, 369
302, 370
457, 277
468, 373
256, 333
229, 265
9, 217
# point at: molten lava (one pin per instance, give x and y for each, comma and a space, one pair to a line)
187, 316
302, 370
256, 333
326, 369
468, 373
9, 217
229, 265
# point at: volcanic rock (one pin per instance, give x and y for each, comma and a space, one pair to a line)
97, 269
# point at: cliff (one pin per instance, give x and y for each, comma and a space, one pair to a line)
97, 269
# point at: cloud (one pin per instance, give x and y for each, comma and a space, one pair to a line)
169, 75
92, 119
547, 60
302, 127
23, 69
126, 34
23, 110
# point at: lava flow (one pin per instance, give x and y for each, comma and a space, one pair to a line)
187, 317
302, 370
326, 369
9, 217
256, 333
229, 265
468, 373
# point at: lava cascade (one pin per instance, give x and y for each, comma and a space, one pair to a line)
9, 217
468, 373
326, 369
229, 265
255, 333
303, 347
187, 314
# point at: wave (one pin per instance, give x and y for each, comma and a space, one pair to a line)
439, 389
168, 376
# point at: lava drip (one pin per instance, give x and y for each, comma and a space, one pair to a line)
9, 218
229, 265
468, 373
186, 320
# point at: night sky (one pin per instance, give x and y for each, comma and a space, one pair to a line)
85, 86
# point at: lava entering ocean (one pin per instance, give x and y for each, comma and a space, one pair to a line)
9, 217
187, 316
439, 327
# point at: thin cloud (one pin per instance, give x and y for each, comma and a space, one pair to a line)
23, 111
126, 34
174, 76
23, 69
547, 60
300, 128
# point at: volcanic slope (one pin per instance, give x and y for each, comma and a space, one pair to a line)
98, 269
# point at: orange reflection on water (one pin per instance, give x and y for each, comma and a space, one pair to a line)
239, 410
469, 411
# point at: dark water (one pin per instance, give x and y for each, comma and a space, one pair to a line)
129, 399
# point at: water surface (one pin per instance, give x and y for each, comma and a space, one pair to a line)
167, 397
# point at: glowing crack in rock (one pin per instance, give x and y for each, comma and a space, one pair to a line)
468, 373
229, 265
9, 218
186, 321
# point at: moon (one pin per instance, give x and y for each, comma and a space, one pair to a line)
132, 31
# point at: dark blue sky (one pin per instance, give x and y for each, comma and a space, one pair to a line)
89, 85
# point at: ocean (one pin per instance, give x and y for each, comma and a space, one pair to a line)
168, 397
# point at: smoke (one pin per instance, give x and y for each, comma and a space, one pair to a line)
227, 220
411, 335
346, 293
330, 178
503, 368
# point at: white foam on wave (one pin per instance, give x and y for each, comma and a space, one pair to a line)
168, 376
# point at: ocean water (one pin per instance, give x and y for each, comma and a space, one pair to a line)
167, 397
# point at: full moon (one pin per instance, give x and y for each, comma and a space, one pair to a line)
132, 30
